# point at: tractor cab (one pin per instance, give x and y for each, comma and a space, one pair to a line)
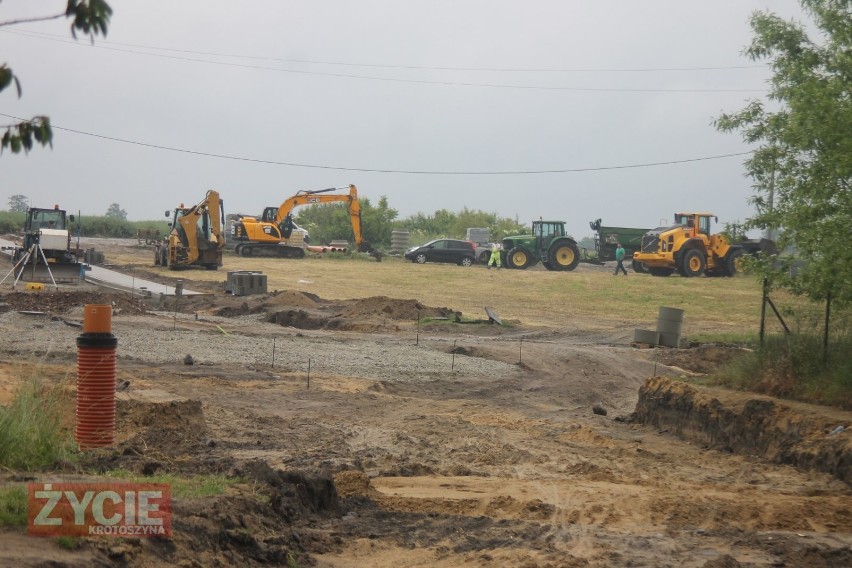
546, 231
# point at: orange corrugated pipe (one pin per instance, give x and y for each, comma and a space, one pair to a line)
96, 348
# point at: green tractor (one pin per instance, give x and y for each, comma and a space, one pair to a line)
548, 243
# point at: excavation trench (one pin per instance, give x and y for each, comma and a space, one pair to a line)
788, 433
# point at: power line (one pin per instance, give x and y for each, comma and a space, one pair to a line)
389, 171
415, 81
418, 67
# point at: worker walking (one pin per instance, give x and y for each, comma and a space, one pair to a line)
619, 259
495, 256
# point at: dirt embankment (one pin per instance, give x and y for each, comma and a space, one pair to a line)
782, 432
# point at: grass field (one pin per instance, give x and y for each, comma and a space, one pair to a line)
589, 297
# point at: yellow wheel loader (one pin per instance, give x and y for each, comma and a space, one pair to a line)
689, 248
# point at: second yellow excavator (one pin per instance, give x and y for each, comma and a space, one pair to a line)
196, 237
269, 235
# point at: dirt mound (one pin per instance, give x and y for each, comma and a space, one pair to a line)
151, 435
59, 302
700, 359
384, 307
293, 298
787, 433
363, 315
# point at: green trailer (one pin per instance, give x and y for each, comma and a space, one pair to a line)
606, 239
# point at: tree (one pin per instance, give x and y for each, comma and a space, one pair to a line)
116, 212
328, 222
803, 166
90, 17
18, 204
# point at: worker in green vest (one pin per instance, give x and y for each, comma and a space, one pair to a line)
495, 256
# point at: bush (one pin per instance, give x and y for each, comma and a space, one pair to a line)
792, 367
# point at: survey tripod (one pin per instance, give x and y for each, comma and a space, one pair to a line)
33, 253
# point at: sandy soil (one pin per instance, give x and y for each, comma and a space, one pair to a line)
455, 445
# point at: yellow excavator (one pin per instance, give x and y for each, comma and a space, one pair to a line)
196, 238
269, 235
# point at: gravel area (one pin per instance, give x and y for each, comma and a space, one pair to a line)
246, 341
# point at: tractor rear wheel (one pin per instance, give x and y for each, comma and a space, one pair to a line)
564, 255
693, 263
518, 258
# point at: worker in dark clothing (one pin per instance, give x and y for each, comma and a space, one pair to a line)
619, 259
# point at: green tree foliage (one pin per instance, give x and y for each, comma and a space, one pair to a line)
444, 223
328, 222
116, 212
18, 204
804, 132
12, 221
88, 16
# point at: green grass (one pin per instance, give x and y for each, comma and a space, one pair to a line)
69, 542
31, 432
13, 507
193, 486
751, 340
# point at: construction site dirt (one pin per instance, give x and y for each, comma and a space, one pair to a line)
375, 431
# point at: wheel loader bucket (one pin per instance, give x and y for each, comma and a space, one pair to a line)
66, 273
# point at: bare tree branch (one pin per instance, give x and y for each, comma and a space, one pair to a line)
28, 20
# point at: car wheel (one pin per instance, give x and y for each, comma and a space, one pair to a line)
466, 261
420, 258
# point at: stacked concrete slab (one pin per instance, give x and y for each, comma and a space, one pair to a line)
245, 283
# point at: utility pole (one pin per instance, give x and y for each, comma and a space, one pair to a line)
770, 232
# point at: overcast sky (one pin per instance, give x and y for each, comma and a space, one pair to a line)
474, 87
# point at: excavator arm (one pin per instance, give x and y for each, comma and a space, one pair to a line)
204, 235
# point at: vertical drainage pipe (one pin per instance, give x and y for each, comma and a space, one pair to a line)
96, 346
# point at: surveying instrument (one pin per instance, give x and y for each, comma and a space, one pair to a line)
34, 252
